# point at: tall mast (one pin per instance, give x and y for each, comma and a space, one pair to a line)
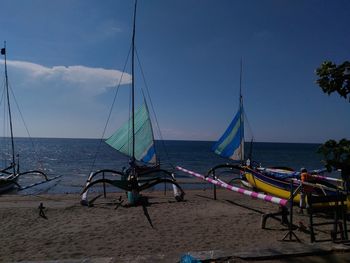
133, 85
240, 87
3, 51
241, 111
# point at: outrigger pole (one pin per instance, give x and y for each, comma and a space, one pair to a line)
268, 198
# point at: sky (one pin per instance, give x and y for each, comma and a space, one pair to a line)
66, 57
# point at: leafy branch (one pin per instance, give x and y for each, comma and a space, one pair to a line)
333, 78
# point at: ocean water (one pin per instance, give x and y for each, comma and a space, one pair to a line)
74, 159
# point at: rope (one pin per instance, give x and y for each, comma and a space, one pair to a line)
251, 131
6, 142
153, 111
110, 113
248, 125
3, 140
129, 119
27, 130
3, 91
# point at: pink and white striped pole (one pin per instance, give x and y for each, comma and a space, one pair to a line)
268, 198
327, 178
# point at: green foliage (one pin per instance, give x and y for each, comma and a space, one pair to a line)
333, 78
336, 154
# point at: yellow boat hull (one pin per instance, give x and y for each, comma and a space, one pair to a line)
269, 188
272, 189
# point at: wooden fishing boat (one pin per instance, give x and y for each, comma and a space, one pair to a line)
278, 182
273, 181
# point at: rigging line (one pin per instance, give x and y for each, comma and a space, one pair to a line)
6, 142
250, 155
133, 82
149, 117
241, 114
7, 138
26, 127
3, 140
110, 112
153, 111
9, 113
248, 124
129, 121
3, 91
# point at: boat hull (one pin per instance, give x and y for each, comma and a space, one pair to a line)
279, 187
7, 184
267, 184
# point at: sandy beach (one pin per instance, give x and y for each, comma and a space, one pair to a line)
163, 227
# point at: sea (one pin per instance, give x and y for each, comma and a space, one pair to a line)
74, 159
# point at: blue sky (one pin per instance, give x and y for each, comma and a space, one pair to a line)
65, 57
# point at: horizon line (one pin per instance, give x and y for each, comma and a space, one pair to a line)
183, 140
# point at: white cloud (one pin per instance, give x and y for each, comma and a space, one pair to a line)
93, 81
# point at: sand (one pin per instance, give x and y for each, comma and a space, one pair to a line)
163, 227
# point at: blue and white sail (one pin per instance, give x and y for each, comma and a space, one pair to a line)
122, 139
231, 143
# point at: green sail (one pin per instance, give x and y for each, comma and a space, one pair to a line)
121, 140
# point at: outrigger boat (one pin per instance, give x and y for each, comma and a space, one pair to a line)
273, 181
136, 140
277, 182
10, 174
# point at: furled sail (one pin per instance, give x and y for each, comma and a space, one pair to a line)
121, 140
231, 143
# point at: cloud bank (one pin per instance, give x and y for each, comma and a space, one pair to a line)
92, 81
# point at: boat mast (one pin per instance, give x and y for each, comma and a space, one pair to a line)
241, 112
133, 86
3, 52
